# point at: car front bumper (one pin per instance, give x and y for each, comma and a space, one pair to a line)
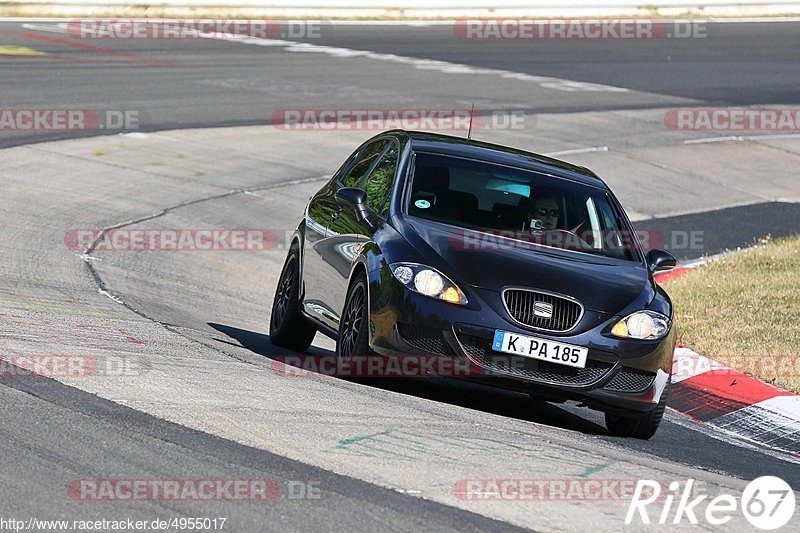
620, 374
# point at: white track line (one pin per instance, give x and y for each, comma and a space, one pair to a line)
52, 28
740, 138
579, 151
558, 84
729, 437
421, 64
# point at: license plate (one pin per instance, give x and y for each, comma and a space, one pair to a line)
540, 349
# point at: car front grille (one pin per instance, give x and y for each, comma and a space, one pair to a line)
480, 351
530, 308
630, 380
425, 339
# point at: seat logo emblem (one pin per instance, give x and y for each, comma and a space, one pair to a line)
543, 309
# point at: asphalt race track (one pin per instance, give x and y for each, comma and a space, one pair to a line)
187, 386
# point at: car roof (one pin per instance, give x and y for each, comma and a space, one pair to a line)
495, 153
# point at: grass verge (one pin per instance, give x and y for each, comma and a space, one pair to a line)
744, 311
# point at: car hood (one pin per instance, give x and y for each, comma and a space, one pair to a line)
600, 284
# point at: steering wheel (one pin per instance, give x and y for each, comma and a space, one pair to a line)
564, 238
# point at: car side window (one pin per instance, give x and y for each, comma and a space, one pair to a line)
347, 165
379, 182
365, 160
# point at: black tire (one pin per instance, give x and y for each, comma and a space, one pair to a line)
287, 327
353, 338
638, 425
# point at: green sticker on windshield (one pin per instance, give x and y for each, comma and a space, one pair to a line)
422, 204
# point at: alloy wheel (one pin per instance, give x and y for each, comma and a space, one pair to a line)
284, 293
352, 322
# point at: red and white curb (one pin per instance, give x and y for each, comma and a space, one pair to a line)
710, 393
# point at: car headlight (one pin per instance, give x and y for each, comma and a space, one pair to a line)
428, 281
645, 325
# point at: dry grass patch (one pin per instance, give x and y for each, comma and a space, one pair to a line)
744, 311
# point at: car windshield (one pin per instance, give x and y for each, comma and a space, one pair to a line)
520, 204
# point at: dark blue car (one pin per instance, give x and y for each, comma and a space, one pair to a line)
524, 265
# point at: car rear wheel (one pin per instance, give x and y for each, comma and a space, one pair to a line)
287, 327
638, 425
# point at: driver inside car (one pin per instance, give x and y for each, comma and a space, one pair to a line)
544, 214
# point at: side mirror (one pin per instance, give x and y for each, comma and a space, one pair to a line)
355, 199
658, 260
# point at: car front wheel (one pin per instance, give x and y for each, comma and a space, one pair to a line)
638, 425
353, 338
